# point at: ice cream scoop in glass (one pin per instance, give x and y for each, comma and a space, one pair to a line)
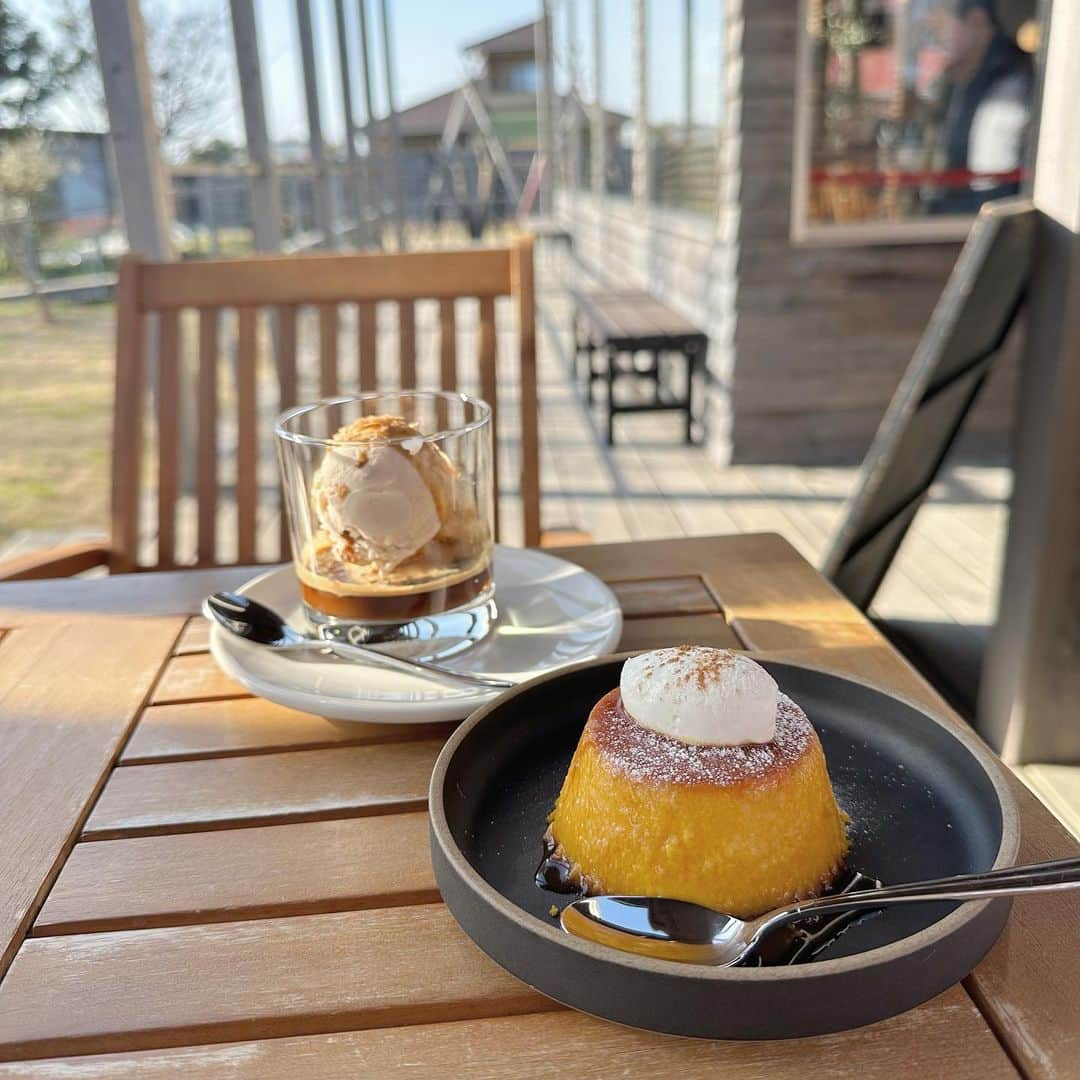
390, 506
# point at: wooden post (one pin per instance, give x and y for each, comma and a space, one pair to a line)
353, 199
265, 187
322, 201
688, 68
372, 187
125, 74
394, 130
641, 163
573, 99
544, 110
598, 127
1031, 678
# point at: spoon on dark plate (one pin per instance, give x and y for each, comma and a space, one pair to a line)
256, 622
679, 930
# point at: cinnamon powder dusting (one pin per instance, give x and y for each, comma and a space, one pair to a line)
648, 756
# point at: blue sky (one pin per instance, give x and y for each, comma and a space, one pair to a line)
427, 37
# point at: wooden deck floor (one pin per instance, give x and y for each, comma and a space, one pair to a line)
652, 485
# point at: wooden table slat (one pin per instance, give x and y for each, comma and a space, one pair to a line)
944, 1038
216, 793
139, 989
194, 677
195, 637
68, 695
772, 597
678, 630
231, 874
251, 725
654, 597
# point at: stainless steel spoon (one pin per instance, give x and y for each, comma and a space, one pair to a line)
678, 930
256, 622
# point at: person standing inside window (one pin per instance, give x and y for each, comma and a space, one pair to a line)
986, 110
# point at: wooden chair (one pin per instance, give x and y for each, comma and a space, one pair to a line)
150, 300
965, 335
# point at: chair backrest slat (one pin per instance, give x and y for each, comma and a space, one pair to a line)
365, 344
127, 436
328, 350
447, 345
206, 456
487, 354
238, 398
286, 355
247, 435
168, 429
407, 343
522, 288
286, 363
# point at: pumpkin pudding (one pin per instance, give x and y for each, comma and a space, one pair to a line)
696, 779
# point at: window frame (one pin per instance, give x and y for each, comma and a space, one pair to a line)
948, 228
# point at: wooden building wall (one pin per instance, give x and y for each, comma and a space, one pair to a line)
807, 344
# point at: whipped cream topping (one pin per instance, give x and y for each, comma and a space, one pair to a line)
377, 502
699, 695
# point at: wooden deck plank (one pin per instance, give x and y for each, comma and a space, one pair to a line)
69, 692
945, 1038
250, 725
183, 878
139, 989
215, 793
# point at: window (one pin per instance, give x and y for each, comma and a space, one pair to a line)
910, 115
522, 77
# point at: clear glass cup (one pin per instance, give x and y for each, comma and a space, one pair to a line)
390, 506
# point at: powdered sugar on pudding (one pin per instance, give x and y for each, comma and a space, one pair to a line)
647, 756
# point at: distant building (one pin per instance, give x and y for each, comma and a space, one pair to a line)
83, 195
507, 82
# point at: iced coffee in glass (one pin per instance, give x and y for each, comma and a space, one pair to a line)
389, 498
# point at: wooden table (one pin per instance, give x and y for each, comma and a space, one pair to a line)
196, 883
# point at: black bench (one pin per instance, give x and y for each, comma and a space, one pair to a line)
618, 324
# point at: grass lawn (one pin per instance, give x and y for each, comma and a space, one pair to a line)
56, 410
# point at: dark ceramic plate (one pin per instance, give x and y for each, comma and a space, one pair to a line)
925, 799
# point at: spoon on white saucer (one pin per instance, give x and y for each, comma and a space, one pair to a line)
680, 930
257, 623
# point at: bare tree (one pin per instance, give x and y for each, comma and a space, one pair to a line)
32, 73
188, 52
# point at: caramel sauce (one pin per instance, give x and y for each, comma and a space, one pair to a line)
554, 872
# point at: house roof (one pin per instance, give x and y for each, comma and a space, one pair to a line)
521, 39
428, 118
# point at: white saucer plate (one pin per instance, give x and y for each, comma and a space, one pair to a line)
551, 613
